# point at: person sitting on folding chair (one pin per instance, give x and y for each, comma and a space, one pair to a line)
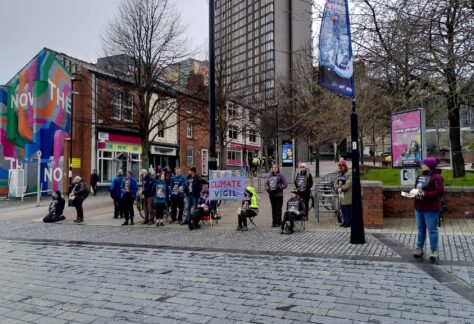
249, 208
295, 210
203, 208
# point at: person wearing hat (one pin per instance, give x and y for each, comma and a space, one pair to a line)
304, 183
203, 208
430, 190
249, 208
116, 194
295, 209
343, 186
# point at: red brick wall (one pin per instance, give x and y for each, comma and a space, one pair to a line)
460, 203
372, 208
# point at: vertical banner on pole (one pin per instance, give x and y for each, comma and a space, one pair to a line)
336, 73
335, 62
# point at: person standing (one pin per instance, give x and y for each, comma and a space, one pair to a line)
430, 185
94, 180
78, 193
193, 192
177, 186
129, 191
304, 183
116, 194
148, 193
161, 198
275, 184
343, 186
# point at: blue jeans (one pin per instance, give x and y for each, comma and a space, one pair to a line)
192, 203
424, 220
347, 214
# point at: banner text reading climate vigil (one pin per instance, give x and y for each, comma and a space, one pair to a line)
226, 185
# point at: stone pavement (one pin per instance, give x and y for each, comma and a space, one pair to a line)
73, 283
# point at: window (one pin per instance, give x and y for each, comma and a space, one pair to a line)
127, 107
189, 108
232, 111
190, 156
233, 132
252, 116
190, 129
161, 129
116, 105
234, 155
252, 136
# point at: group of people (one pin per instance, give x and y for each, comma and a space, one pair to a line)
160, 190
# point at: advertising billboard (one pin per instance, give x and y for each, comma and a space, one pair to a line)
288, 153
408, 141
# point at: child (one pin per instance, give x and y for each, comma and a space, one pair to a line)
249, 208
161, 198
56, 208
295, 209
203, 207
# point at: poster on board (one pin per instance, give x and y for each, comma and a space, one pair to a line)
288, 153
408, 140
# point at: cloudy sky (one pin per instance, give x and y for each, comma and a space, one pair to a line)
74, 28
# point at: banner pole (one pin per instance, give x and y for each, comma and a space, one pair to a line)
357, 226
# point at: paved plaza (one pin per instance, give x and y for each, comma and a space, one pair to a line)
102, 272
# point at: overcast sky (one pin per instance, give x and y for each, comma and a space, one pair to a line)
74, 28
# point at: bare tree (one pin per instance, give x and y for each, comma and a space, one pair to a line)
145, 38
422, 49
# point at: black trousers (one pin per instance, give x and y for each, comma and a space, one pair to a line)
127, 206
196, 217
177, 202
305, 196
118, 211
94, 188
277, 205
160, 209
288, 216
78, 205
244, 214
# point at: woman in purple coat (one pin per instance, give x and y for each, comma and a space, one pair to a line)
275, 184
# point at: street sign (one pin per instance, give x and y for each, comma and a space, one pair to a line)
76, 163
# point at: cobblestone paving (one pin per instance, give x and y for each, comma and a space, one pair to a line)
68, 283
258, 240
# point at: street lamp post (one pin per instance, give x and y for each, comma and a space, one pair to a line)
275, 106
212, 164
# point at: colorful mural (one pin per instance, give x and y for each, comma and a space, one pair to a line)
35, 115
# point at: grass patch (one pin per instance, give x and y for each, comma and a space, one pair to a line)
391, 177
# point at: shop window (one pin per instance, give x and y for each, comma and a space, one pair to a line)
161, 129
234, 155
190, 129
190, 156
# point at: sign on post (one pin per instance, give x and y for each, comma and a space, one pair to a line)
408, 140
226, 185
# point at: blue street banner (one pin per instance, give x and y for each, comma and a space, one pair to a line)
336, 68
226, 185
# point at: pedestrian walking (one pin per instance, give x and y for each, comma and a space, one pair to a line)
161, 198
93, 181
148, 193
275, 184
430, 190
304, 183
343, 187
115, 190
56, 208
177, 186
193, 192
248, 209
78, 192
129, 191
295, 209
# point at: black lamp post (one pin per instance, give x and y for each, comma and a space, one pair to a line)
275, 106
212, 164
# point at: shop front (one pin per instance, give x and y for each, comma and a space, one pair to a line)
117, 152
164, 155
238, 154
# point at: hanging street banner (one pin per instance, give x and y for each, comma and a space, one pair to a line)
408, 142
226, 185
335, 49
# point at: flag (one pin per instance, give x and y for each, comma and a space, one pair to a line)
336, 70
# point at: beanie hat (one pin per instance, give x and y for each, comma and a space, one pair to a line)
342, 163
431, 162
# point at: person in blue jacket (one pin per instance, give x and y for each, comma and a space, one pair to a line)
177, 185
129, 191
161, 198
148, 193
116, 194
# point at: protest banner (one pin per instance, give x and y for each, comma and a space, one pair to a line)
226, 185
